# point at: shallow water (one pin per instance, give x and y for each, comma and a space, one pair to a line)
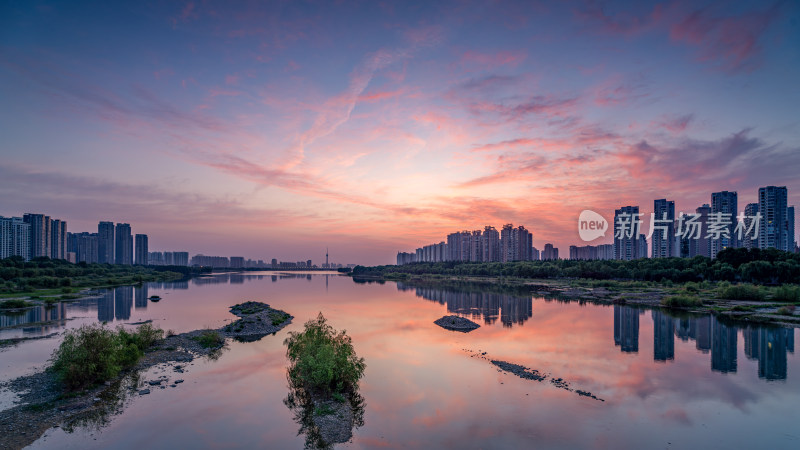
682, 382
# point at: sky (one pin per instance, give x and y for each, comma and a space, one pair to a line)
277, 129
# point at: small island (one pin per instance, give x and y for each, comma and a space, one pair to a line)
456, 323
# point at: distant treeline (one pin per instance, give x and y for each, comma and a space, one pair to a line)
18, 275
768, 266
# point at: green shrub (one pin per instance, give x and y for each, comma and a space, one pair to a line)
741, 292
278, 318
787, 310
93, 354
323, 410
210, 339
675, 301
787, 293
323, 360
14, 303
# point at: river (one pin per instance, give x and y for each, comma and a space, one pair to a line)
666, 381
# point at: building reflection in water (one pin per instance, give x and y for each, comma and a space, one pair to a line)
105, 306
46, 317
184, 284
222, 278
123, 302
723, 347
486, 306
140, 297
663, 337
626, 328
769, 346
237, 278
700, 331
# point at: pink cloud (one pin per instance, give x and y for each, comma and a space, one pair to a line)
676, 124
731, 42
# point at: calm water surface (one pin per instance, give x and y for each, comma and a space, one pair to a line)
667, 381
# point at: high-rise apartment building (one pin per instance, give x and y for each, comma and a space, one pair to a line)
515, 243
626, 233
84, 246
458, 246
591, 252
642, 247
123, 250
699, 244
15, 237
663, 238
772, 204
491, 244
507, 243
141, 253
237, 262
790, 228
39, 234
748, 239
58, 239
106, 242
549, 252
724, 210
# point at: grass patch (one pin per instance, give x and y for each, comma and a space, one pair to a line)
93, 354
786, 293
743, 308
278, 318
322, 360
14, 303
323, 410
210, 339
741, 292
681, 301
787, 310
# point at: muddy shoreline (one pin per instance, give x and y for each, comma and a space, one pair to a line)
43, 404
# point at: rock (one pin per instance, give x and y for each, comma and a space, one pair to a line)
456, 323
154, 382
178, 381
144, 392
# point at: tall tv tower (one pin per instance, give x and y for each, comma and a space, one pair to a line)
327, 266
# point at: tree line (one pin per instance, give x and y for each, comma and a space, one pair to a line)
769, 266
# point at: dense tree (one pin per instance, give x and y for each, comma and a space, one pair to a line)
769, 266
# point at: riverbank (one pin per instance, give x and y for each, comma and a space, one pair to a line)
707, 297
44, 404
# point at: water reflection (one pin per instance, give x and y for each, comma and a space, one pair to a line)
140, 300
663, 337
768, 345
108, 305
123, 302
626, 328
477, 304
47, 313
319, 435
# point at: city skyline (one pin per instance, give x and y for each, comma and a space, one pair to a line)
372, 127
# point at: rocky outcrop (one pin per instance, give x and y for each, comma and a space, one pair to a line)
456, 323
